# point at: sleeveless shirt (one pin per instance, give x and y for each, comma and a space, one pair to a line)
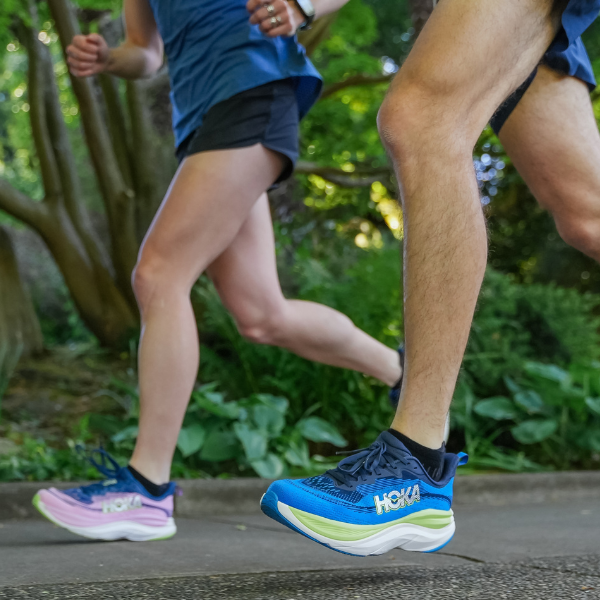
214, 53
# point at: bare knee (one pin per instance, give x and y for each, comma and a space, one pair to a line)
419, 121
581, 233
154, 279
267, 327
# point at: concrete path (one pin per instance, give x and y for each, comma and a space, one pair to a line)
521, 550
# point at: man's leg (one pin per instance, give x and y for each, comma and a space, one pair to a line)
468, 59
245, 276
553, 140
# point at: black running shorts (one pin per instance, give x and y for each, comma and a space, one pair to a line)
566, 54
266, 115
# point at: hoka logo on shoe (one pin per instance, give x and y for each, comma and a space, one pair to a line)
122, 504
396, 500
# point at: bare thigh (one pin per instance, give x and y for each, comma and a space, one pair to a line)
468, 59
552, 138
245, 275
207, 203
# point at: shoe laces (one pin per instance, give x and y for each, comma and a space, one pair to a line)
105, 464
363, 463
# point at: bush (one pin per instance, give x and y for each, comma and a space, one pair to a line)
548, 416
516, 323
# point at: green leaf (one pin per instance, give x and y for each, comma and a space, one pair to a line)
593, 404
278, 403
219, 446
547, 372
297, 454
319, 430
270, 467
497, 408
129, 433
512, 385
213, 403
530, 401
534, 430
190, 439
268, 419
253, 441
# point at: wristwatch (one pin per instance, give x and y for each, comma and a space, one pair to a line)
308, 10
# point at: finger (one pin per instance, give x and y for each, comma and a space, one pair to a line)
81, 72
80, 65
281, 6
82, 42
95, 39
260, 15
281, 31
81, 54
252, 5
267, 25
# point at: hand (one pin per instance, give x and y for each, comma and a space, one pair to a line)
287, 17
87, 55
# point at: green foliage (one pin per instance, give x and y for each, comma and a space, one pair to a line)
517, 322
365, 287
549, 414
252, 436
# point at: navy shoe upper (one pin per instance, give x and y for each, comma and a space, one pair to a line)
374, 485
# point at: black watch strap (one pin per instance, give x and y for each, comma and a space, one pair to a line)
308, 11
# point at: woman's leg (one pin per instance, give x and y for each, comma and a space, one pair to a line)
207, 203
245, 276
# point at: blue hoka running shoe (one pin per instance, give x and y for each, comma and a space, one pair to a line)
376, 499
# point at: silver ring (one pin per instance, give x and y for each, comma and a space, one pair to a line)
275, 22
270, 9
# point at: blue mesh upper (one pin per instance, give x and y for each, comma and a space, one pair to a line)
324, 484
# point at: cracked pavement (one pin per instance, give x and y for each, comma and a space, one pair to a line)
535, 550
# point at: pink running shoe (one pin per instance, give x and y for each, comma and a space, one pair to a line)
114, 509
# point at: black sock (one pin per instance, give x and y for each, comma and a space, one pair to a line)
432, 460
151, 488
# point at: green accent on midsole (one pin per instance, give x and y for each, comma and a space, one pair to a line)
347, 532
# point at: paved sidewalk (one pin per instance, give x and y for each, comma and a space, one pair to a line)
521, 550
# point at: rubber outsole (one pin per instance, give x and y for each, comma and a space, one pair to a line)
411, 538
124, 530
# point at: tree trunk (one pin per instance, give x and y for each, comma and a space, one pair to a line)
20, 332
61, 219
119, 199
420, 11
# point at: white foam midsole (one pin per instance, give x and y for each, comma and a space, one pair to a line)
414, 538
129, 530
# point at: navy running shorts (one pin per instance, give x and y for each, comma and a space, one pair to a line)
267, 115
566, 54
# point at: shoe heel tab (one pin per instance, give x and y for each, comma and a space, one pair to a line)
463, 459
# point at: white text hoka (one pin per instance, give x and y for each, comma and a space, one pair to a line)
397, 499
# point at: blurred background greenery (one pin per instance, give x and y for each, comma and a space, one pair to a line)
83, 165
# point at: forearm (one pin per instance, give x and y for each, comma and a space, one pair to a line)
133, 62
325, 7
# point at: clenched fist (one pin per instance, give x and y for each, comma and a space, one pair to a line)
87, 55
275, 18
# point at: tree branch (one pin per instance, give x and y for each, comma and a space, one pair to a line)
117, 126
37, 112
361, 177
118, 198
319, 32
144, 175
70, 182
362, 79
21, 206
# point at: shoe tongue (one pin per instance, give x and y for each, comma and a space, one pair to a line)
392, 441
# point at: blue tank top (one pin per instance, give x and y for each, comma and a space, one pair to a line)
214, 53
